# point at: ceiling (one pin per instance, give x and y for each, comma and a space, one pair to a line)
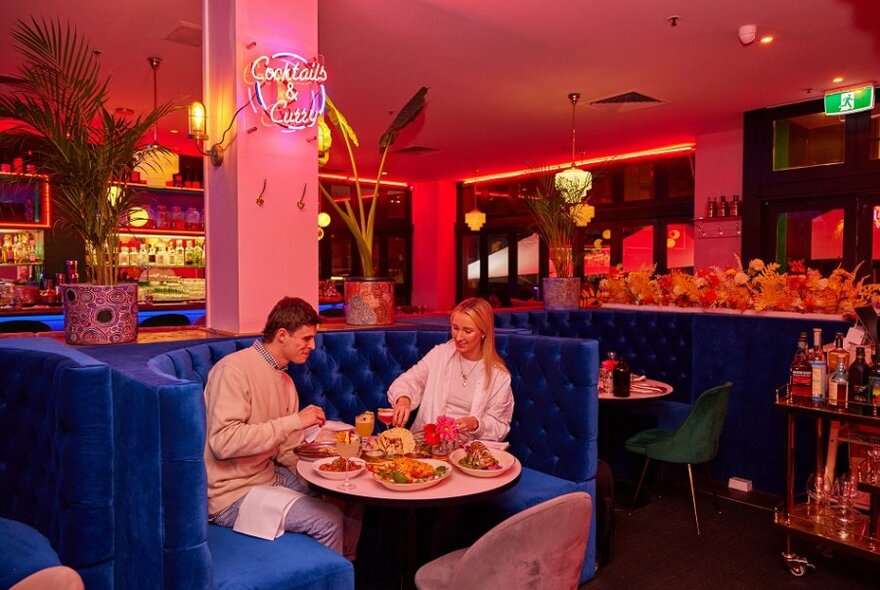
499, 72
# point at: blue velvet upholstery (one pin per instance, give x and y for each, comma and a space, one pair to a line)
24, 552
694, 351
553, 431
57, 451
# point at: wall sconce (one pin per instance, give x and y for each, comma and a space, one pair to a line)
198, 131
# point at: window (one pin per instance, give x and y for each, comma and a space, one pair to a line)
813, 236
638, 247
679, 245
638, 182
874, 146
807, 140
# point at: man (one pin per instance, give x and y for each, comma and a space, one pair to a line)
254, 421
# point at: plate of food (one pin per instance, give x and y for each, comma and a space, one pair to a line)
408, 475
478, 460
316, 450
335, 467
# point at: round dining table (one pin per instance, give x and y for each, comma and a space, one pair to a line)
639, 390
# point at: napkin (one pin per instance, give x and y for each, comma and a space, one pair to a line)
263, 510
312, 432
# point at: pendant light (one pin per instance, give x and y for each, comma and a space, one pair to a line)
573, 182
475, 218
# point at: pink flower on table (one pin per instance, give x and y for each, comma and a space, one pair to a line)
447, 429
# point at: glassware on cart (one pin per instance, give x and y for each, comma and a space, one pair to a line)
348, 445
385, 415
819, 494
869, 469
843, 495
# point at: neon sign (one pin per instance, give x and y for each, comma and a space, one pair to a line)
288, 89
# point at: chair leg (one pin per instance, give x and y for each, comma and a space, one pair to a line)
660, 480
693, 497
639, 487
712, 485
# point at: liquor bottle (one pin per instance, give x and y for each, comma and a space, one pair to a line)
621, 378
188, 253
872, 394
819, 369
838, 387
723, 208
838, 354
858, 380
735, 206
124, 259
179, 254
800, 372
711, 208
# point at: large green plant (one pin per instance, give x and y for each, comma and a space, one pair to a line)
556, 220
359, 220
58, 110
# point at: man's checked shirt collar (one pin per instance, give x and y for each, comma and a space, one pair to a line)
267, 356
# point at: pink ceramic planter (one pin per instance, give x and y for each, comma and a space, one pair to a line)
100, 314
369, 301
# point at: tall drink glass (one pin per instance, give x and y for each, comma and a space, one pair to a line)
348, 445
364, 424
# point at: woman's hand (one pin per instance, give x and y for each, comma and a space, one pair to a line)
467, 424
402, 407
312, 415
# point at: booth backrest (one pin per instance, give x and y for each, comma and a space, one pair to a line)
554, 428
57, 451
657, 344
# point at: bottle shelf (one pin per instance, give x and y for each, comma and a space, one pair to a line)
163, 233
154, 265
35, 263
718, 227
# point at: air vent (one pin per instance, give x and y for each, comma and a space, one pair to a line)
417, 150
626, 101
189, 34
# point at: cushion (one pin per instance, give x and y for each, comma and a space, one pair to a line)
532, 488
291, 562
25, 551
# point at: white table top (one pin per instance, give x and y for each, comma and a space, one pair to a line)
456, 488
644, 389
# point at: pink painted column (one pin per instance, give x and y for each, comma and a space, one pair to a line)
434, 264
256, 254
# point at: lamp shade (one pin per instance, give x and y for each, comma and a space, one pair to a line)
573, 183
197, 121
583, 213
475, 219
323, 219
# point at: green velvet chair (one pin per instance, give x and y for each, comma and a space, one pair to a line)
692, 443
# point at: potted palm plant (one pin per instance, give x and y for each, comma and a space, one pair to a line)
369, 300
558, 210
58, 110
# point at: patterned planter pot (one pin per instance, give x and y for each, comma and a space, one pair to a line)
369, 301
562, 293
100, 314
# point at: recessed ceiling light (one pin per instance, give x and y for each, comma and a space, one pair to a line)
124, 111
173, 131
767, 39
837, 79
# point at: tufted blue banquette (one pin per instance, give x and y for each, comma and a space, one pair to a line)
695, 351
554, 429
57, 454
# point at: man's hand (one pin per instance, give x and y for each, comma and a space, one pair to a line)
401, 411
312, 415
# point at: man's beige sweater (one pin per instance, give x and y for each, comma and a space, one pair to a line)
252, 420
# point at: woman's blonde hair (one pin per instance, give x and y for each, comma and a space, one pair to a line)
480, 312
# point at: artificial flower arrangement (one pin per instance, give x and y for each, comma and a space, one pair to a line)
759, 286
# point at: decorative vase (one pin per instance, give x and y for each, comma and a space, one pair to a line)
562, 293
100, 314
369, 301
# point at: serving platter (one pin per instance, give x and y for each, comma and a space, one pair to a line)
338, 475
316, 450
411, 487
505, 459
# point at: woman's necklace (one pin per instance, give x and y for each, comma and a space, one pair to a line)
465, 376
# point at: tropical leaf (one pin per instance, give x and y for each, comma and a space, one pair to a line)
337, 118
404, 117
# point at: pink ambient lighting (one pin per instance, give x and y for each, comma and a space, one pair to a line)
671, 149
288, 89
344, 178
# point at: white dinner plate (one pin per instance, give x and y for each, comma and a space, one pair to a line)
412, 487
505, 459
338, 474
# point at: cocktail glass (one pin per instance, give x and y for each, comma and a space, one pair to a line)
386, 416
348, 445
364, 424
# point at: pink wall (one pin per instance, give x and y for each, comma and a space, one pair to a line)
434, 264
719, 166
257, 254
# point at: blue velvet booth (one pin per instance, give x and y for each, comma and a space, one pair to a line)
695, 351
554, 427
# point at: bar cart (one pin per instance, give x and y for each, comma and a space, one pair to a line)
805, 519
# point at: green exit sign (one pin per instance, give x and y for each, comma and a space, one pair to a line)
849, 100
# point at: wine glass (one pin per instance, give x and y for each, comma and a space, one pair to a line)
348, 445
844, 493
386, 416
817, 492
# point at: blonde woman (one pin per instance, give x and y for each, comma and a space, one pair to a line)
463, 378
